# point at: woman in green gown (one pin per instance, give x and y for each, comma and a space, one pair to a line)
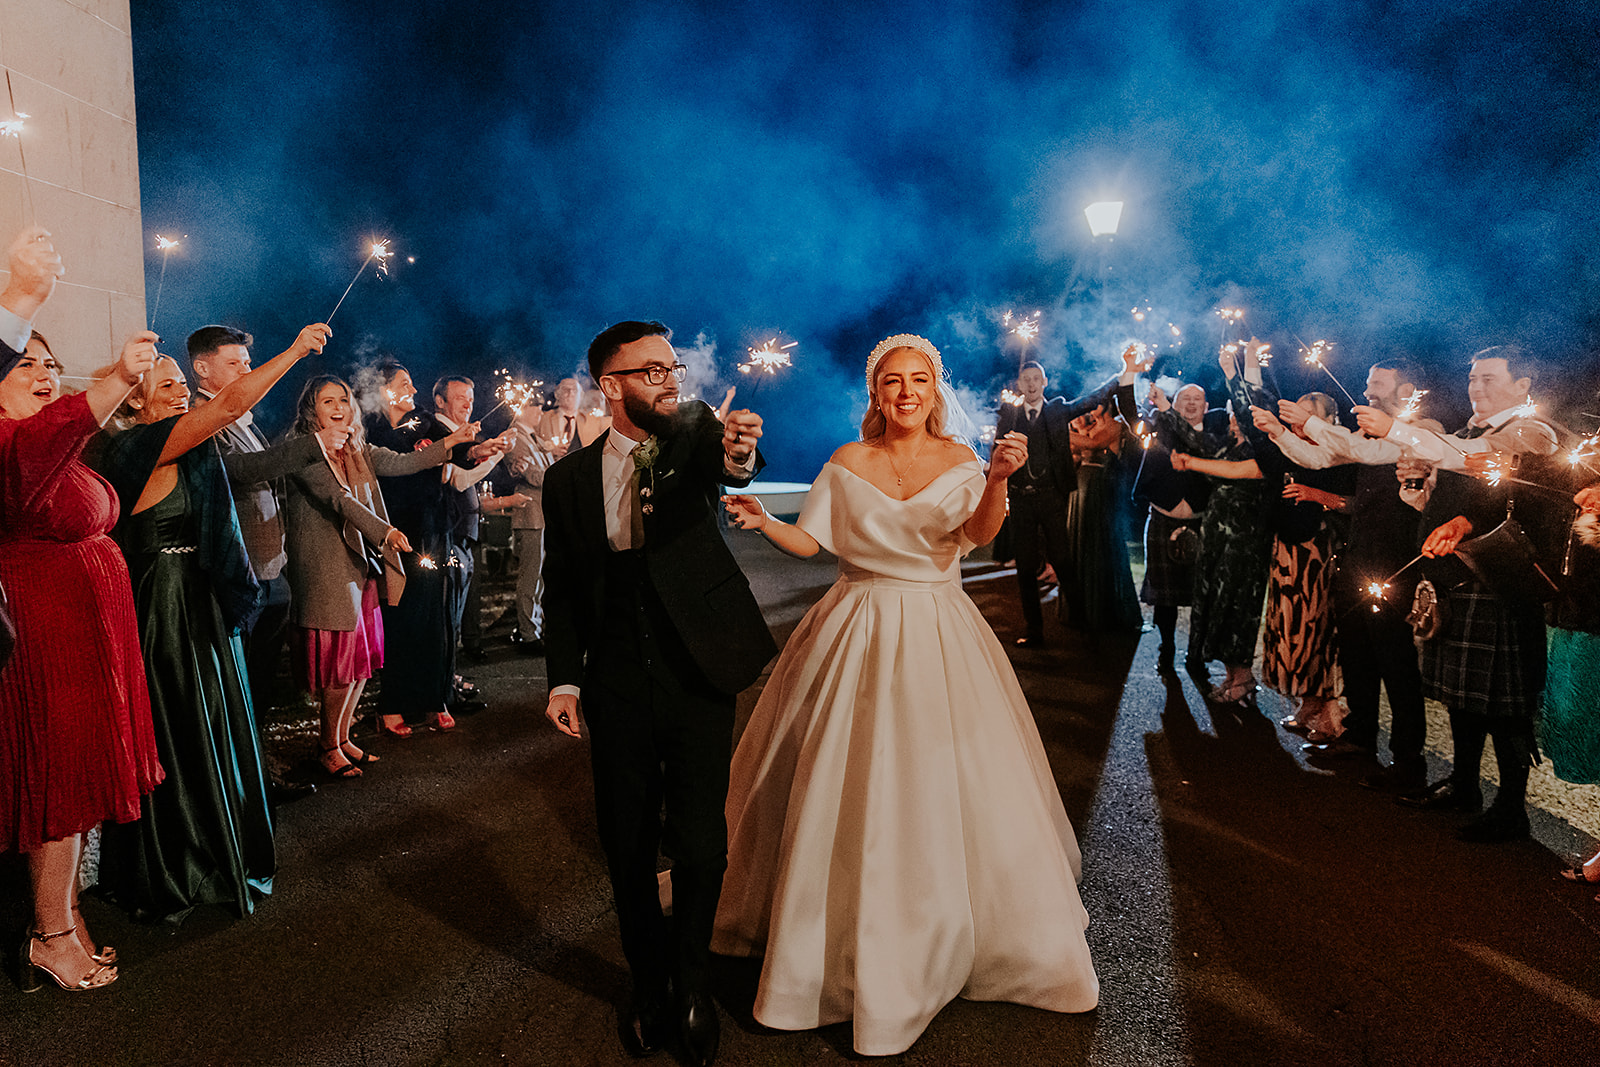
205, 834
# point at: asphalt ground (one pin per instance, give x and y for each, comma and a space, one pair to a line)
1247, 907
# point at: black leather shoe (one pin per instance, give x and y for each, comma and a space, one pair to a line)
1495, 826
282, 792
1031, 641
1397, 778
644, 1030
702, 1030
1444, 796
530, 647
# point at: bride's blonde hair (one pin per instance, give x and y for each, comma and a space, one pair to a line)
873, 423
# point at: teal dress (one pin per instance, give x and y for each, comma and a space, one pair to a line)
205, 836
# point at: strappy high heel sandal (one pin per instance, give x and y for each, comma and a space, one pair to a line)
361, 760
105, 955
30, 982
346, 770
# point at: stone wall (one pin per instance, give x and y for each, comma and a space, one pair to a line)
70, 65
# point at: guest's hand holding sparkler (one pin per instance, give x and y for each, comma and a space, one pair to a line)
740, 433
494, 446
1293, 413
396, 540
1136, 358
1180, 461
35, 265
1007, 456
311, 339
1158, 398
1486, 465
1267, 422
1444, 540
106, 393
1374, 422
334, 435
1227, 359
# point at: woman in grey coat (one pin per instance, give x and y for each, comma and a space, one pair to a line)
344, 555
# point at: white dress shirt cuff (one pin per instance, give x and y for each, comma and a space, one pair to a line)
565, 691
739, 470
14, 329
1429, 447
467, 477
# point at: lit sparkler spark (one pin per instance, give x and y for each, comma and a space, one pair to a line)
598, 413
1008, 397
1315, 356
514, 395
165, 245
768, 358
427, 563
1376, 590
13, 126
986, 435
1230, 315
1027, 327
1175, 331
1583, 450
1411, 405
1138, 314
1526, 410
411, 424
379, 252
1263, 352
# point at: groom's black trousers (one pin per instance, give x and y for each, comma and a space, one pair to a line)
661, 739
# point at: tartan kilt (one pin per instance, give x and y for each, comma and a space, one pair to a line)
1490, 659
1168, 580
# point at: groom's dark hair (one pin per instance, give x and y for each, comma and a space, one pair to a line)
610, 339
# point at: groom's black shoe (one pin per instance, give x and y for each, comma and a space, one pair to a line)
645, 1028
702, 1030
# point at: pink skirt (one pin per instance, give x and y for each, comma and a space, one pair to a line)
327, 658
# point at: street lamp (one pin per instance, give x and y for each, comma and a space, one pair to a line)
1103, 217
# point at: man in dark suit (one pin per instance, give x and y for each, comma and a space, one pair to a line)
1038, 492
648, 615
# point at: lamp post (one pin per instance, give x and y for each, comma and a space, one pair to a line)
1103, 217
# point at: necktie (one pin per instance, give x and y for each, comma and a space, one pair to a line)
566, 431
644, 456
1033, 413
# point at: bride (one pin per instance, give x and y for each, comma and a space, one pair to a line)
896, 838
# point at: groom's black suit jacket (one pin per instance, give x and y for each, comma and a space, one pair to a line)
1050, 439
705, 594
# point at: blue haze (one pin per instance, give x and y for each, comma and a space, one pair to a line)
1416, 177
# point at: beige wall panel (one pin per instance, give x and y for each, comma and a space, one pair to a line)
60, 44
71, 64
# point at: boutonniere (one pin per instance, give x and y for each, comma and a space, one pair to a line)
645, 453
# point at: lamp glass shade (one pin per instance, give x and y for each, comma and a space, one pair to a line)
1104, 216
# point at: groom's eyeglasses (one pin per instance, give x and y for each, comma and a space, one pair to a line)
656, 374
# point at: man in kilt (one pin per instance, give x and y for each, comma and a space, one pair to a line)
1486, 663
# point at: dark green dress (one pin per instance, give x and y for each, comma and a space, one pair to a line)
205, 836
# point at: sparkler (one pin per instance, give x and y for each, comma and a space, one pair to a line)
427, 563
514, 395
166, 245
1411, 405
12, 127
380, 252
1027, 327
1376, 590
1008, 397
768, 358
1314, 356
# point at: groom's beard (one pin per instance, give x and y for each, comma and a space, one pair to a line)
648, 417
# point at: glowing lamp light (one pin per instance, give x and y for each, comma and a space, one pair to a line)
1103, 217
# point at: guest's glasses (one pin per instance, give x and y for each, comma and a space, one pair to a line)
655, 373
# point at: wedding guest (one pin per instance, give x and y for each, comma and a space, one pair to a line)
530, 456
76, 743
344, 559
219, 356
1038, 492
896, 837
1098, 596
1172, 530
1231, 569
1569, 730
205, 835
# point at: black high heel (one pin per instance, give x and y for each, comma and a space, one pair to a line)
102, 975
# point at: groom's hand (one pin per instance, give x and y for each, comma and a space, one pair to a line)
562, 711
740, 433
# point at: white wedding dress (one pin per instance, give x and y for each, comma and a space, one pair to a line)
896, 838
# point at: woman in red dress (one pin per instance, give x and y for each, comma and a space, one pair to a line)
76, 744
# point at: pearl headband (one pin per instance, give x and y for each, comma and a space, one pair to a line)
905, 340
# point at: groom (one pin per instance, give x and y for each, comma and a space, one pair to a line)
647, 612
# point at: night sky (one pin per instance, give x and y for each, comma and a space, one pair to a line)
1396, 177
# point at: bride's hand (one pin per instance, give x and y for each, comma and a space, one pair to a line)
1008, 455
747, 512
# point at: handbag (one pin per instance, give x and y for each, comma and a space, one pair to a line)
1505, 560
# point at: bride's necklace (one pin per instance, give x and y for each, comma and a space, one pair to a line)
900, 476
